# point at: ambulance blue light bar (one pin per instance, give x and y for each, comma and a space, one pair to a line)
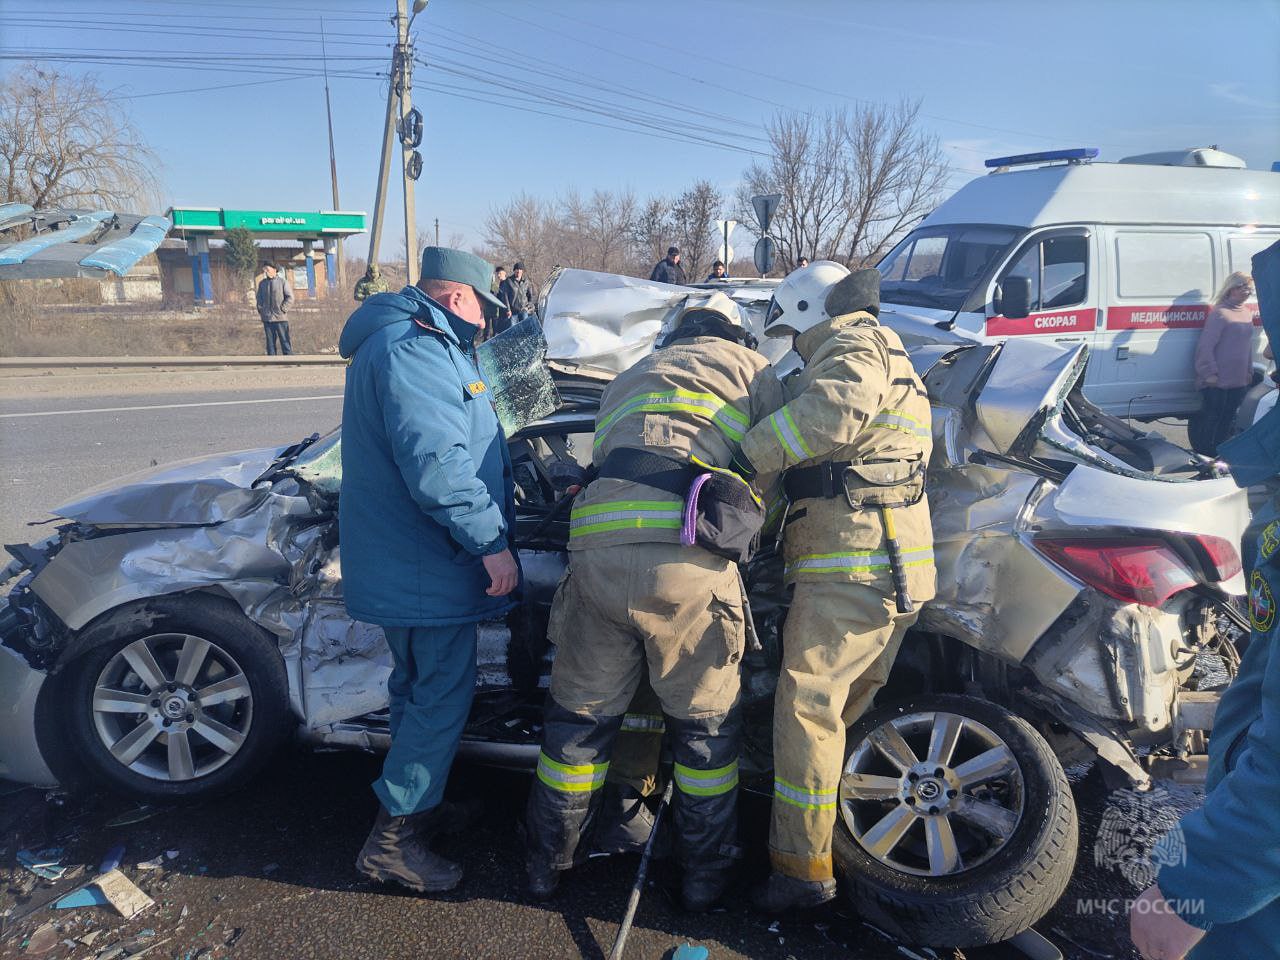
1075, 153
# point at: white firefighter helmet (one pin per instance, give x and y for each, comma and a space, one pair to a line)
717, 301
715, 315
799, 301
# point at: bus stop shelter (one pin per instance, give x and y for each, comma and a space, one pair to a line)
198, 225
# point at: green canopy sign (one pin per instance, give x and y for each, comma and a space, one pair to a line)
211, 221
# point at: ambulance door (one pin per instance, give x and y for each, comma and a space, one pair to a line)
1161, 282
1059, 264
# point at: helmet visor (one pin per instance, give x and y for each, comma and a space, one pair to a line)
775, 311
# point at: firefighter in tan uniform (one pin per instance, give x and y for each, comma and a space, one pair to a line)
854, 439
635, 596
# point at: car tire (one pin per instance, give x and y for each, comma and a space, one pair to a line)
1015, 879
232, 712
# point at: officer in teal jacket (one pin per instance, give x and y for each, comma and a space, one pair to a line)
1223, 901
425, 522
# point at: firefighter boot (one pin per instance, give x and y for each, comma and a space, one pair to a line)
702, 889
781, 893
541, 879
447, 819
395, 854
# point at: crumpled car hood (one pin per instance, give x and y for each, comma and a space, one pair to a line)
196, 492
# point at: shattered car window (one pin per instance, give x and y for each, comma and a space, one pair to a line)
321, 464
514, 365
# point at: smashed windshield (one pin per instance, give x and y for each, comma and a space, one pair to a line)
941, 266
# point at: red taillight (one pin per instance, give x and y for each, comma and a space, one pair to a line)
1220, 557
1136, 571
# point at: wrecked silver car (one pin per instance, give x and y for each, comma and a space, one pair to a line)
181, 623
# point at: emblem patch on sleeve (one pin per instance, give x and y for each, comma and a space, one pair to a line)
1262, 605
1269, 543
476, 387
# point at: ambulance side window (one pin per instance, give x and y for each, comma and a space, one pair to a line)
1164, 266
1058, 268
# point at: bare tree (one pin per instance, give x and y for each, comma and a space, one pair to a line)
610, 221
851, 181
523, 230
693, 215
64, 141
898, 174
651, 234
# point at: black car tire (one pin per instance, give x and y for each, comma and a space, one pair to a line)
215, 619
998, 898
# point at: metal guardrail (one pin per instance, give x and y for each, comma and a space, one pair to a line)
54, 363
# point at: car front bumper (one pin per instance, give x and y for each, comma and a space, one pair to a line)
20, 756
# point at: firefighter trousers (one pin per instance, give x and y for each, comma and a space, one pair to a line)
839, 643
678, 611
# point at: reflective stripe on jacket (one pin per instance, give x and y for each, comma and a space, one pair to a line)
696, 397
857, 399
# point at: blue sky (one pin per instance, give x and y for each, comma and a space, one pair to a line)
994, 77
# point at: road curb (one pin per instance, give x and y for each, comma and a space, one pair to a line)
62, 363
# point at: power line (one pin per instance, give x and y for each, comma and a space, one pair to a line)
751, 71
201, 68
221, 86
210, 33
591, 81
618, 53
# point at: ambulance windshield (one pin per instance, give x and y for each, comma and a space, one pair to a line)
941, 266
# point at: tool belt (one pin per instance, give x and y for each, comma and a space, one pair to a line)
862, 483
721, 513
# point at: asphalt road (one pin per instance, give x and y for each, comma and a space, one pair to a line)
270, 869
54, 447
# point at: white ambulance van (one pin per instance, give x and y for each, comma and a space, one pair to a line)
1125, 257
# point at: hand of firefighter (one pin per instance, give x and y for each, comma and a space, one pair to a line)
503, 573
1157, 931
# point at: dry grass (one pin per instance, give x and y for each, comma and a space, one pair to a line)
54, 330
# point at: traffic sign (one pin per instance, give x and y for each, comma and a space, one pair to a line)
765, 206
724, 252
763, 255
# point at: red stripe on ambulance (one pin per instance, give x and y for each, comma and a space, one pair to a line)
1066, 321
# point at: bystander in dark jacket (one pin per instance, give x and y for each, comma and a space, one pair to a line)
518, 295
274, 298
668, 269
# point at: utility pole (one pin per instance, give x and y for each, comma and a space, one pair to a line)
398, 105
333, 162
405, 51
437, 231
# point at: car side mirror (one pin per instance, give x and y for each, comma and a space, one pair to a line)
1015, 297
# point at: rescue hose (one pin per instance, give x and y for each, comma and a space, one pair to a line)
633, 903
903, 598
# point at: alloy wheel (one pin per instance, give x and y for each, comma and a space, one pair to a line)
932, 793
172, 706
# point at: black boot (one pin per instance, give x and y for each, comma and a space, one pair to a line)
394, 853
542, 880
781, 893
624, 822
447, 819
702, 889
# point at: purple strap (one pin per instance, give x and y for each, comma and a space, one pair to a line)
689, 531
